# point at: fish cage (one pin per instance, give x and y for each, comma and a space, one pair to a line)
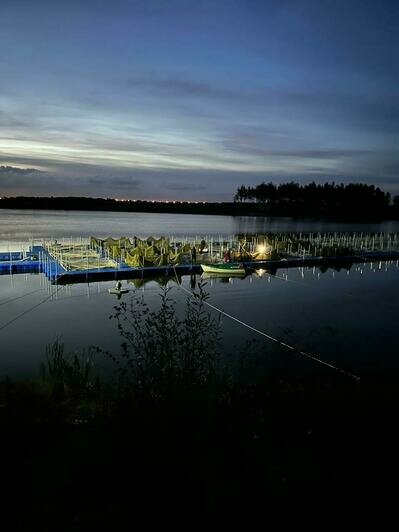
136, 252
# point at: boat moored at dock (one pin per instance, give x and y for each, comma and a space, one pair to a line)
224, 268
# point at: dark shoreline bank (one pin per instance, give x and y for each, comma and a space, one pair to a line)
282, 209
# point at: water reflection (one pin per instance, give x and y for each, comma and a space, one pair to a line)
164, 281
23, 226
252, 224
347, 314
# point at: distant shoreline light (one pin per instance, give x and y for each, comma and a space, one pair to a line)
124, 200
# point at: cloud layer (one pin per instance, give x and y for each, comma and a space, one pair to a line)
193, 99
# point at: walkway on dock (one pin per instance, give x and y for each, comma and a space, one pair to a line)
78, 260
39, 260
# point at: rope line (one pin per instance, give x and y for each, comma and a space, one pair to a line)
269, 337
20, 297
29, 310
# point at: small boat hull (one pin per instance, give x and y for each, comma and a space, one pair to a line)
222, 276
225, 269
118, 292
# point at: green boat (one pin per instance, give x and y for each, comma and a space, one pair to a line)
227, 268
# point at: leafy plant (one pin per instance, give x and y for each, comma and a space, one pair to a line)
160, 350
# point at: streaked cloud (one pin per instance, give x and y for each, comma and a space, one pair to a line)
196, 97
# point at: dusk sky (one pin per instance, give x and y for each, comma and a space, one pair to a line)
189, 99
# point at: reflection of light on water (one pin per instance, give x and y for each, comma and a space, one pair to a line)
261, 272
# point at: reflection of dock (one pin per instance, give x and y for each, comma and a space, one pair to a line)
39, 260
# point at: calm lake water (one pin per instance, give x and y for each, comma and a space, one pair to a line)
348, 318
23, 226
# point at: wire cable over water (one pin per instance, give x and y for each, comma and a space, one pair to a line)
272, 338
30, 309
11, 300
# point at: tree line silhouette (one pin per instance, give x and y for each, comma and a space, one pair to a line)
351, 201
318, 199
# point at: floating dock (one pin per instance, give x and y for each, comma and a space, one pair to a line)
39, 260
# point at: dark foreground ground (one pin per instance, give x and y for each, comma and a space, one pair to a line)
74, 458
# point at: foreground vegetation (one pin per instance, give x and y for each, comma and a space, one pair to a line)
174, 437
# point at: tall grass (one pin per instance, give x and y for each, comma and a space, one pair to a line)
68, 374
